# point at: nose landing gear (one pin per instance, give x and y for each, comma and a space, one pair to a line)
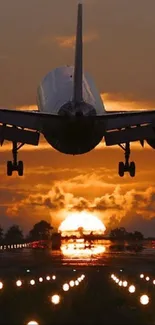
15, 164
126, 167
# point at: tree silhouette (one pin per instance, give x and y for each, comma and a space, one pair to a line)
40, 231
1, 234
118, 233
14, 235
121, 234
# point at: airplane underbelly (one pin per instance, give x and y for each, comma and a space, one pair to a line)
74, 137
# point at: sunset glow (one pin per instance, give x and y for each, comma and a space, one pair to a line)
82, 222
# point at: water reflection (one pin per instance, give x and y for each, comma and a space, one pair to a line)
80, 249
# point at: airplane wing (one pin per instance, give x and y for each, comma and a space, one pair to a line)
25, 126
127, 126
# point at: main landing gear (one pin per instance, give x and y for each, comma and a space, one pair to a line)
15, 164
126, 167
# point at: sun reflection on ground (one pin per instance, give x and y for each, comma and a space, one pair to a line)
80, 249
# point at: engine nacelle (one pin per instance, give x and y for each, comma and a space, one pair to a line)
151, 143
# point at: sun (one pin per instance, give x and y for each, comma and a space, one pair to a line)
84, 222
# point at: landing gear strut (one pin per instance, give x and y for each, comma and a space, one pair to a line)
15, 164
126, 167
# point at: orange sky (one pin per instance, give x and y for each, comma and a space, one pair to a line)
119, 52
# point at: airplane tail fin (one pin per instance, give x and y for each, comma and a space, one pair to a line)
78, 65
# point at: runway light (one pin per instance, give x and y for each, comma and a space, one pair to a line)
120, 283
132, 288
112, 276
65, 287
40, 279
125, 283
117, 280
53, 277
32, 322
74, 270
28, 271
18, 283
76, 282
48, 278
71, 283
141, 276
32, 282
55, 299
1, 285
153, 281
144, 299
147, 278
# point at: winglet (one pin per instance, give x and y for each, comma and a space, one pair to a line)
78, 69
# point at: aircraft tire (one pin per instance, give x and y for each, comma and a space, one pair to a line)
132, 169
9, 168
20, 168
121, 169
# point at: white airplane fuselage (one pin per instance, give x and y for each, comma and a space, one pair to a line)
55, 96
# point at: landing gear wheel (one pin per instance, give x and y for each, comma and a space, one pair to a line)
127, 166
121, 169
9, 168
15, 164
132, 169
20, 168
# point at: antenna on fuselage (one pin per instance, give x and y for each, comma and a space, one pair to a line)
78, 66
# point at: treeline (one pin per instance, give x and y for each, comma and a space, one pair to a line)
122, 234
14, 235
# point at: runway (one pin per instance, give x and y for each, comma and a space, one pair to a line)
96, 299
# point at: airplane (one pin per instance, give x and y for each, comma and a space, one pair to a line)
72, 117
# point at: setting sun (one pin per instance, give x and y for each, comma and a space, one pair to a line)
84, 222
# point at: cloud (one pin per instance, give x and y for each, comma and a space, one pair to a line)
69, 41
114, 208
120, 102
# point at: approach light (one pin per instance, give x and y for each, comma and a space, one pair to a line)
125, 283
76, 282
71, 283
142, 276
1, 285
65, 287
55, 299
117, 280
53, 277
40, 279
147, 278
32, 282
144, 299
48, 278
132, 288
153, 281
120, 283
18, 283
